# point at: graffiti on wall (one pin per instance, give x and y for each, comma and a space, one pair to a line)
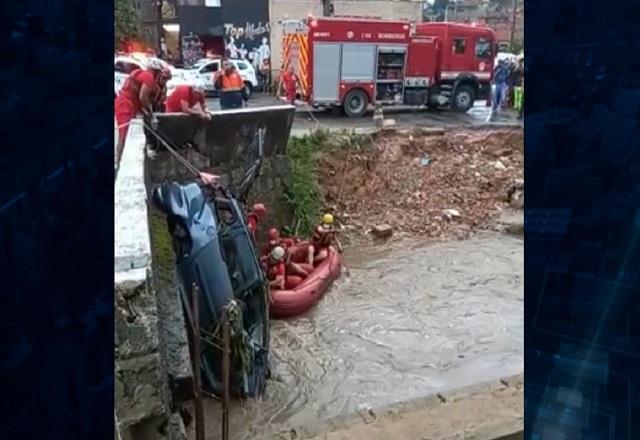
249, 41
192, 49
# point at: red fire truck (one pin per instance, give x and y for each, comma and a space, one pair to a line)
353, 62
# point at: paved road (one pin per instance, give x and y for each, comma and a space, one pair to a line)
334, 120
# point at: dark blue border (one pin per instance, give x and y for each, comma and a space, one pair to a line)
56, 220
582, 260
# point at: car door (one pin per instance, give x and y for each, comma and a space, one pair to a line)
206, 74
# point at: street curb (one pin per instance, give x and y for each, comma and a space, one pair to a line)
511, 430
299, 132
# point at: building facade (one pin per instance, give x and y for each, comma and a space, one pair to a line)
192, 29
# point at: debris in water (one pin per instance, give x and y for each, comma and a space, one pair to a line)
451, 213
382, 231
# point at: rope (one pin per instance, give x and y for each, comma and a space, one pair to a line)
172, 150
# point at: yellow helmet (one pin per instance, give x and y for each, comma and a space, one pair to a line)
327, 219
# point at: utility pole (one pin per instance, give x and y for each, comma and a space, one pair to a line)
327, 8
159, 28
513, 23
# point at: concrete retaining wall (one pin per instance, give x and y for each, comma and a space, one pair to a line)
145, 408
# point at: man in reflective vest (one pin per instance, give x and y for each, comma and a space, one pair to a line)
231, 86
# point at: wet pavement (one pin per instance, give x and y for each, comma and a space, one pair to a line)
408, 321
306, 121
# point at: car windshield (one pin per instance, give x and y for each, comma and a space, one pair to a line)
198, 64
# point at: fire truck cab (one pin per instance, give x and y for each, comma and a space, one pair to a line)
355, 62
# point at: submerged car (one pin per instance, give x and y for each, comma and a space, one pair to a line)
216, 252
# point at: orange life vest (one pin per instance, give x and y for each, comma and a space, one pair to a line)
231, 81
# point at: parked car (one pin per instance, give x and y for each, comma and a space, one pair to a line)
204, 70
124, 65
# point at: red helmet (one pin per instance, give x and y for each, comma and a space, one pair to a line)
259, 210
273, 234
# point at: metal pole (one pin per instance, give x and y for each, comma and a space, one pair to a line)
159, 28
226, 346
199, 409
513, 24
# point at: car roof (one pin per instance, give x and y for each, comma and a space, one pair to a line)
206, 60
127, 59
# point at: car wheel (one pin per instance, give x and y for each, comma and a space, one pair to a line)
248, 89
355, 103
463, 99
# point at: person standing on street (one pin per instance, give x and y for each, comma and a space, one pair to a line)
136, 95
500, 75
231, 86
518, 90
289, 81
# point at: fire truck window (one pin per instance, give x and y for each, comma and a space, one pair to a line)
459, 45
483, 48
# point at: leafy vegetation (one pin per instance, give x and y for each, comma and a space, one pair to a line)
303, 192
125, 20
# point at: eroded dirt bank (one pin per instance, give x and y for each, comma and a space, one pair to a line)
434, 185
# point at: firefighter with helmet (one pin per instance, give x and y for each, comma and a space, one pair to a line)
324, 236
188, 99
257, 214
137, 94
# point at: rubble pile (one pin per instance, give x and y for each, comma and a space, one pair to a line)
429, 185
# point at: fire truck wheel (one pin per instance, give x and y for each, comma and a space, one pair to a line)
463, 99
355, 103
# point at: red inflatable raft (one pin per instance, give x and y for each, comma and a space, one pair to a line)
287, 303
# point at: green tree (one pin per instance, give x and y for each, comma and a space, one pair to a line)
516, 47
125, 19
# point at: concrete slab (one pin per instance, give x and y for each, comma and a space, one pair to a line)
132, 252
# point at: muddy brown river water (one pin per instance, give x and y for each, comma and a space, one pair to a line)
409, 321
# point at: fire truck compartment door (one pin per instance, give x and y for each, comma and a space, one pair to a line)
358, 62
326, 72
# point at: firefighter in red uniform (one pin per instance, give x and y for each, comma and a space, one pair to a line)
277, 271
157, 106
258, 212
136, 95
295, 264
188, 99
324, 235
289, 81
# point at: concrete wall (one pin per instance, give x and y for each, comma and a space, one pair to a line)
297, 9
151, 353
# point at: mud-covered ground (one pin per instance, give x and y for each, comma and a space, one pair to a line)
410, 320
439, 186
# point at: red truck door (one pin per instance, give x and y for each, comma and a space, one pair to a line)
457, 56
483, 57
